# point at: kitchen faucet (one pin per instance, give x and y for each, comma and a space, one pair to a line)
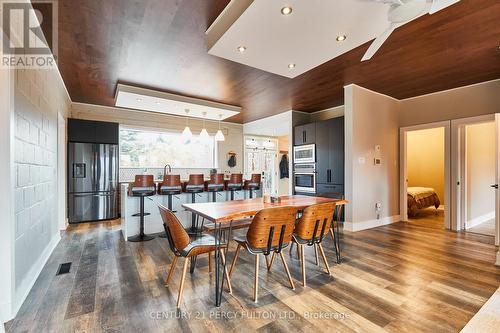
165, 169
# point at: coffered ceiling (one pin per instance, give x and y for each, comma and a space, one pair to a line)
161, 45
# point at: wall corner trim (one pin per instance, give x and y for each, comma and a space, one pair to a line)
369, 224
498, 258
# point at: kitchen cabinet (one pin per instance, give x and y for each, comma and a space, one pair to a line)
305, 134
88, 131
330, 156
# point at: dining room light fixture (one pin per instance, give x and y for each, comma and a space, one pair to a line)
219, 136
286, 10
187, 134
204, 134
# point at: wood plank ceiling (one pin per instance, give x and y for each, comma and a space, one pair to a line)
160, 44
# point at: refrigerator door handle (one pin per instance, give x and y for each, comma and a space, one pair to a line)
80, 195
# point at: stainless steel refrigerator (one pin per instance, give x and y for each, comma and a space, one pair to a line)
92, 182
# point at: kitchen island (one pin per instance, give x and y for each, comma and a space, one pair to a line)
153, 222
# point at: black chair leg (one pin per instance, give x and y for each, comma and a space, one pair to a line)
193, 217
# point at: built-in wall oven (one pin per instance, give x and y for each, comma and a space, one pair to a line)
305, 178
304, 154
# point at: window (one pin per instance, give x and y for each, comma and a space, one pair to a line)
154, 149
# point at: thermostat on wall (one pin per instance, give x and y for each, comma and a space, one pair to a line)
377, 161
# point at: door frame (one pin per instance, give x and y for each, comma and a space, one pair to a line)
403, 169
61, 173
459, 170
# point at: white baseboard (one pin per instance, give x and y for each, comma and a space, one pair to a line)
5, 312
23, 290
480, 219
364, 225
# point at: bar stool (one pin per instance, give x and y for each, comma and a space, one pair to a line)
143, 186
196, 184
235, 183
253, 184
170, 186
215, 185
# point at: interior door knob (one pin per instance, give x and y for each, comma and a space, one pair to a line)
495, 186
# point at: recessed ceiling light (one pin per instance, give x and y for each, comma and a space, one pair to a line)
286, 10
242, 49
138, 99
157, 102
291, 66
341, 38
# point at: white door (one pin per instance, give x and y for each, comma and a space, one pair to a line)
497, 177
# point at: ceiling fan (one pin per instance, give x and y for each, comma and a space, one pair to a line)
401, 12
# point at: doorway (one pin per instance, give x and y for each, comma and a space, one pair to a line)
425, 175
476, 159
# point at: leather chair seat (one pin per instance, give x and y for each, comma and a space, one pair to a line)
165, 190
234, 187
142, 191
194, 188
242, 240
215, 187
253, 186
200, 244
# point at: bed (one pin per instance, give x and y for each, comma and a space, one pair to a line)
420, 198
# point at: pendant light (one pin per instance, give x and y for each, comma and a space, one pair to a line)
204, 134
219, 136
187, 134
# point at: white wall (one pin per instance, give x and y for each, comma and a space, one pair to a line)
6, 197
480, 171
39, 96
371, 119
30, 101
469, 101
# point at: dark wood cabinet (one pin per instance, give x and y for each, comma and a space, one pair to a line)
89, 131
330, 156
305, 134
322, 151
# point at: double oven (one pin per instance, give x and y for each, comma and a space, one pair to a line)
304, 169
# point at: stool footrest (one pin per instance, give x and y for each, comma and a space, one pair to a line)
139, 214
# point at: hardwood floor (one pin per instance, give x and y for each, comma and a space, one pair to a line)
402, 277
485, 228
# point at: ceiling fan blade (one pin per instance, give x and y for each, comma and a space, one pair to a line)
377, 43
437, 5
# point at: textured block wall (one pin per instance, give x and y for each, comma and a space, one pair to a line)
39, 96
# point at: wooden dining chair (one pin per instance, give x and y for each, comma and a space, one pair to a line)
183, 246
270, 232
313, 226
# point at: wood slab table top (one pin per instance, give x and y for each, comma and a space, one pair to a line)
238, 209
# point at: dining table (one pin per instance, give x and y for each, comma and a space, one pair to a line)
223, 214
